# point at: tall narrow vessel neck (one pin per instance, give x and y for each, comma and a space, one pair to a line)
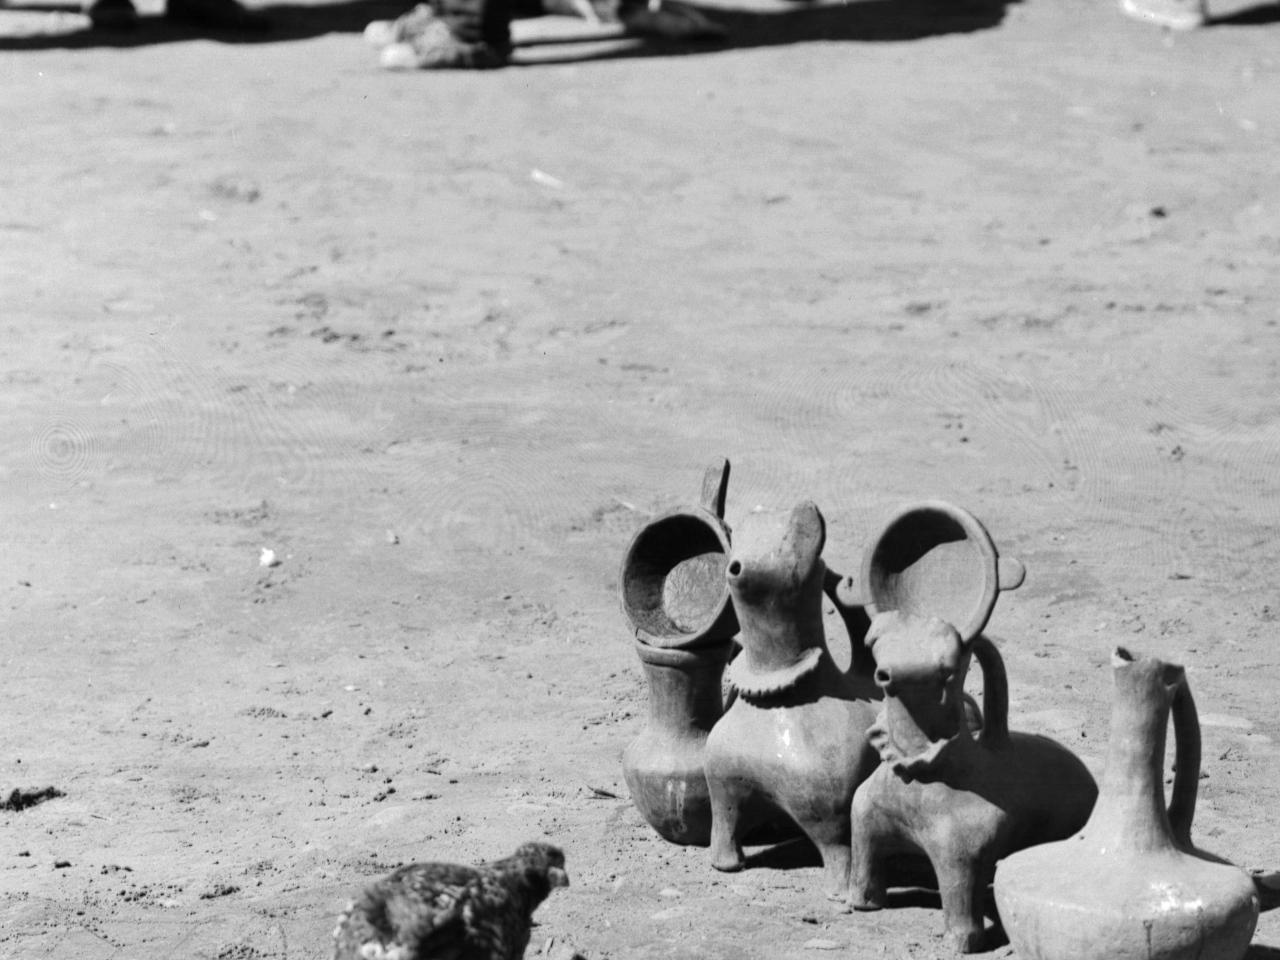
1131, 813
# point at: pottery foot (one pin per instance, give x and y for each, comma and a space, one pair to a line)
836, 887
728, 863
865, 900
837, 864
966, 941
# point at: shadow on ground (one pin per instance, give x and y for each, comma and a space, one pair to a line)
1260, 15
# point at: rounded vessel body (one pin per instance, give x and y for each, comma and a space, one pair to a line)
663, 766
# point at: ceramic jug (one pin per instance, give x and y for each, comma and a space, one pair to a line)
675, 599
1130, 885
663, 766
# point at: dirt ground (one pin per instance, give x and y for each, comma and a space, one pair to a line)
443, 342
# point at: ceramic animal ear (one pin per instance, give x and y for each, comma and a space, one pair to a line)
881, 624
808, 532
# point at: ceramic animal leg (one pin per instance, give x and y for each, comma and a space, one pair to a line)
832, 841
726, 851
867, 856
961, 890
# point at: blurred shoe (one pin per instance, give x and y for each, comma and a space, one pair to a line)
583, 9
436, 48
1174, 14
215, 13
671, 21
112, 14
402, 29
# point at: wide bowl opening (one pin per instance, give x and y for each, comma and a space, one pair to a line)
673, 579
934, 561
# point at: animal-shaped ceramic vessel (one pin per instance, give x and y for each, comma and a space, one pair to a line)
963, 801
1130, 885
794, 738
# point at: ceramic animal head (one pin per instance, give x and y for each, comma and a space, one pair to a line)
921, 664
775, 575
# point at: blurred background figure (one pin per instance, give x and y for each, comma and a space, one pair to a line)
476, 34
1174, 14
123, 15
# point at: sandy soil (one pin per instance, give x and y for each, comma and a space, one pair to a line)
444, 342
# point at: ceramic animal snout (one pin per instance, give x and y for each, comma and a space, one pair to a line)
779, 569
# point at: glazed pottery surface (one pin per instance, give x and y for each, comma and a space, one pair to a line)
1130, 885
663, 766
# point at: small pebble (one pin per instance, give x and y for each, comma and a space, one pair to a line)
670, 892
61, 864
268, 558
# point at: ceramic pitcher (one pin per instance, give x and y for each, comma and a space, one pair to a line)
663, 766
1130, 885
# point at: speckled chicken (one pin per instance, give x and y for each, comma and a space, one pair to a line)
446, 911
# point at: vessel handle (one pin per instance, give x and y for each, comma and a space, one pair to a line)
1010, 572
1186, 776
839, 591
995, 691
715, 486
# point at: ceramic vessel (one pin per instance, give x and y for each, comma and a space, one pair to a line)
663, 766
1130, 885
793, 740
672, 584
933, 559
964, 801
674, 597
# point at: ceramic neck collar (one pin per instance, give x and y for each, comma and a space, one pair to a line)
754, 682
